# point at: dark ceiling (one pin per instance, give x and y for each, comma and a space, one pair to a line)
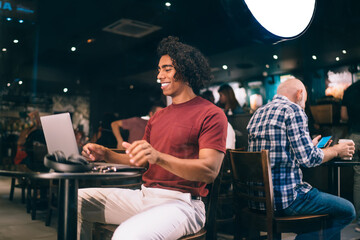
221, 29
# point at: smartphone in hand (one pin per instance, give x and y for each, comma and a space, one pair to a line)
324, 142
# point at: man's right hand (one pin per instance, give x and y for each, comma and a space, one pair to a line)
345, 149
94, 152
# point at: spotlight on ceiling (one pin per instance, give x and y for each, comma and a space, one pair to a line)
271, 15
271, 21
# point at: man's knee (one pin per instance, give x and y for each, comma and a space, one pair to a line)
124, 233
348, 211
352, 212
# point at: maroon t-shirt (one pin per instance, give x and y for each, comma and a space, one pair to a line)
181, 130
136, 127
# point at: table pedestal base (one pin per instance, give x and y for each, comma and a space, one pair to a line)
67, 204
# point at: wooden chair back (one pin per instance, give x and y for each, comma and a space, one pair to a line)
253, 182
253, 186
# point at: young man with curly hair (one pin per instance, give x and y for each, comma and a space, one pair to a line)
183, 146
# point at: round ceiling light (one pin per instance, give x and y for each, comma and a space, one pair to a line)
283, 18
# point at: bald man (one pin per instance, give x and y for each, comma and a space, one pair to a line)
281, 127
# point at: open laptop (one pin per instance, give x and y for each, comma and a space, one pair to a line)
59, 135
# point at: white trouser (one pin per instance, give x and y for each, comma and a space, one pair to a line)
149, 213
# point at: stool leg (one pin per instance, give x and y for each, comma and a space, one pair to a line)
12, 187
321, 232
52, 193
33, 204
48, 217
28, 198
23, 194
49, 209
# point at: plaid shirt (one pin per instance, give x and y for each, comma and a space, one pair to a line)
281, 127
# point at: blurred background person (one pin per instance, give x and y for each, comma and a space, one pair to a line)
256, 101
350, 113
31, 144
29, 126
228, 101
80, 138
135, 126
230, 140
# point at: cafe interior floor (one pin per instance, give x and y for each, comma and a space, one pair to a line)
16, 224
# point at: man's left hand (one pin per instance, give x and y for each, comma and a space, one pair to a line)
315, 141
141, 152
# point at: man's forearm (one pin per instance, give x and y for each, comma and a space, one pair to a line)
202, 169
329, 153
113, 157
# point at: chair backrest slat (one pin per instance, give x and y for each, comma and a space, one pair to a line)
251, 198
243, 186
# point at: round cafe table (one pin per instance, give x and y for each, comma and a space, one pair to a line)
68, 193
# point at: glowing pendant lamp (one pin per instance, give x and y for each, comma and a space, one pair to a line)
285, 19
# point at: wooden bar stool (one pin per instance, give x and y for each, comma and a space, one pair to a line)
253, 186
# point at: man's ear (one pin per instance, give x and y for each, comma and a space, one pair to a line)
299, 95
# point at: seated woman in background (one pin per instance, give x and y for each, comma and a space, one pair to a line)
228, 101
135, 126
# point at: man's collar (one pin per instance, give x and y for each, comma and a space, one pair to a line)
278, 96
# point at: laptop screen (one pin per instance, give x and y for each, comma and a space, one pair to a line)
59, 133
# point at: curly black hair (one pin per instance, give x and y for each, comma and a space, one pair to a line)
190, 64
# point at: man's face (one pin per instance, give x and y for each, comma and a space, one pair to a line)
222, 98
166, 73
